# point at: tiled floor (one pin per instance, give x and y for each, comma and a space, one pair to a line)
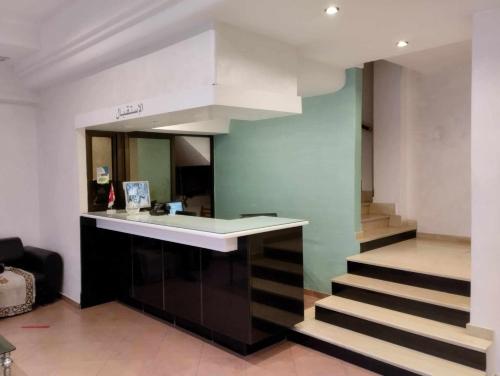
309, 300
112, 339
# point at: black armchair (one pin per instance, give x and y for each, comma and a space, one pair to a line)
45, 265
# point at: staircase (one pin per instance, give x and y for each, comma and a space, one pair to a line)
381, 226
396, 322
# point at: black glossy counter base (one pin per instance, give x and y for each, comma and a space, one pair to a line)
243, 300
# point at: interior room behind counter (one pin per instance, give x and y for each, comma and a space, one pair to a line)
178, 168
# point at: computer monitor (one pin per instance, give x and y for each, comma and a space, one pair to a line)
175, 207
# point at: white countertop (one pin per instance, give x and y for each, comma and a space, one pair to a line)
216, 234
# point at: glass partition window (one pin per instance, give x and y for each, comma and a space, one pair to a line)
150, 159
102, 155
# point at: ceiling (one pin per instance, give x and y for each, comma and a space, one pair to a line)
363, 30
32, 11
437, 59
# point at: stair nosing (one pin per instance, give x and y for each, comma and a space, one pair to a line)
330, 306
400, 295
394, 230
410, 354
375, 217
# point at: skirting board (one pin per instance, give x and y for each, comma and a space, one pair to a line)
70, 301
453, 238
478, 331
315, 294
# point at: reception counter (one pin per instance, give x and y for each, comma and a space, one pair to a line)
237, 282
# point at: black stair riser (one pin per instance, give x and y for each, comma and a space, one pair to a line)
412, 307
349, 356
449, 285
388, 240
453, 353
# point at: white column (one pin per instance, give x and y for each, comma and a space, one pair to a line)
485, 176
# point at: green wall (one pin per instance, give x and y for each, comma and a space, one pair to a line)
153, 164
303, 166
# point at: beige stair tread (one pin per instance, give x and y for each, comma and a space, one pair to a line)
433, 257
378, 233
277, 288
409, 323
398, 356
439, 298
278, 265
373, 217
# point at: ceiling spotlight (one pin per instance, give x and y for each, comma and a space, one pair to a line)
331, 10
402, 43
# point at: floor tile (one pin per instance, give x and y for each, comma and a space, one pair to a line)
112, 339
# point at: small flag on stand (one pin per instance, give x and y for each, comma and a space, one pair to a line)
111, 199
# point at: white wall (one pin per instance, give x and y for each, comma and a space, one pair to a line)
11, 88
192, 151
437, 114
186, 64
19, 205
485, 162
244, 60
422, 141
62, 148
389, 143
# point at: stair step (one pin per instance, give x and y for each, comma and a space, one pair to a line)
458, 302
379, 233
374, 354
440, 259
429, 328
431, 337
374, 221
373, 217
358, 266
435, 305
382, 208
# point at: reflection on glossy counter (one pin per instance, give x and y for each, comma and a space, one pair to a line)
212, 225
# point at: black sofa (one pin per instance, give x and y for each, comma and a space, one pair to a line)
45, 265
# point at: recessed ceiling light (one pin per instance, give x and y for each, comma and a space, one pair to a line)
331, 10
402, 43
